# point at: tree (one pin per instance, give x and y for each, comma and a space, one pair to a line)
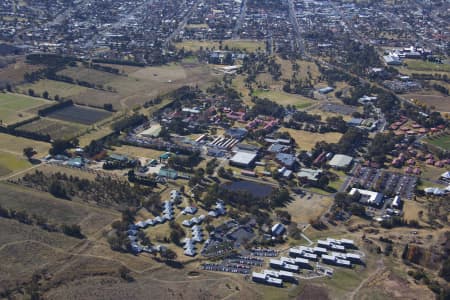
72, 230
45, 94
31, 92
168, 254
28, 152
124, 273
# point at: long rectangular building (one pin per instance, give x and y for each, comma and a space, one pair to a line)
281, 265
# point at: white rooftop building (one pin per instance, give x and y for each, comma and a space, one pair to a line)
370, 197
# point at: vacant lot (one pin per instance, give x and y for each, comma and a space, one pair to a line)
283, 98
304, 209
56, 129
16, 107
10, 163
138, 152
237, 44
307, 140
79, 114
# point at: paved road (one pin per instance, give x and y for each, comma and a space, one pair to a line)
296, 26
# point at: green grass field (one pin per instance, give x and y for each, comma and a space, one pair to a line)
442, 141
11, 163
15, 107
420, 65
284, 98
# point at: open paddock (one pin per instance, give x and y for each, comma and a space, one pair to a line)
90, 75
15, 107
10, 163
15, 145
56, 129
90, 217
62, 89
79, 114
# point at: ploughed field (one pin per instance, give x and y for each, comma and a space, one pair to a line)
79, 114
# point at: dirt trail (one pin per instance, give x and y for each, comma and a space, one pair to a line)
379, 269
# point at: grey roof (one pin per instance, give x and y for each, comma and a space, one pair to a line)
287, 160
341, 161
243, 158
309, 174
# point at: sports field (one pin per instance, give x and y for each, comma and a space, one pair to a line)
16, 107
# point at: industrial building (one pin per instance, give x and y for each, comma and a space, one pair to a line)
243, 159
341, 161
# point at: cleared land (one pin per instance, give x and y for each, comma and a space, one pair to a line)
15, 107
56, 129
78, 114
303, 209
283, 98
138, 152
440, 102
307, 140
248, 45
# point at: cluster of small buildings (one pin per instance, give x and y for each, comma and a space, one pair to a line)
339, 255
285, 268
189, 243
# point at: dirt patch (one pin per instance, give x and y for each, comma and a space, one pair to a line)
388, 285
315, 292
440, 102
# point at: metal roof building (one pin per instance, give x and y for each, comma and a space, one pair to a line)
341, 161
243, 159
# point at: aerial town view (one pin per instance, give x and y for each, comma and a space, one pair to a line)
225, 149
